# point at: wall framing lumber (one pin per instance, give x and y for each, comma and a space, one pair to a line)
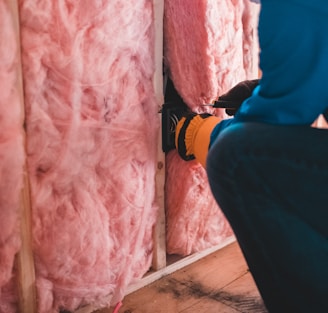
177, 265
24, 259
159, 237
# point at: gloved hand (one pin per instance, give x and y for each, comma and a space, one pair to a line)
236, 96
192, 136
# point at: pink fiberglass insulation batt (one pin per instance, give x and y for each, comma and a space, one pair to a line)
209, 47
11, 157
92, 125
195, 222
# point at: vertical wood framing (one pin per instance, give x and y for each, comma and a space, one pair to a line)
159, 236
24, 259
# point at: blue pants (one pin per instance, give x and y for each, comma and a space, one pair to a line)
271, 182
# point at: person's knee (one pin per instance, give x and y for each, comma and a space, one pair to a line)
236, 145
244, 139
225, 150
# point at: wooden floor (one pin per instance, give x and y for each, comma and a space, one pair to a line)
218, 283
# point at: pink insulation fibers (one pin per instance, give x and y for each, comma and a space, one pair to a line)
210, 46
194, 215
92, 125
11, 157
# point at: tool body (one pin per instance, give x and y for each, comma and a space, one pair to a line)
174, 109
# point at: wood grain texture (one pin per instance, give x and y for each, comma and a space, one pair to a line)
159, 235
219, 282
24, 259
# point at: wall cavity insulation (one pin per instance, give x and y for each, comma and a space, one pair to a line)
80, 122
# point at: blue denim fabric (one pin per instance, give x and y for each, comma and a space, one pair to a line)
271, 182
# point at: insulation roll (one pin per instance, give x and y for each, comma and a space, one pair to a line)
209, 46
92, 124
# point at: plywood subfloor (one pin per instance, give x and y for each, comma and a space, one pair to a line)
218, 283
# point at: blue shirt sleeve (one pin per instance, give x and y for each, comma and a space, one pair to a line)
294, 64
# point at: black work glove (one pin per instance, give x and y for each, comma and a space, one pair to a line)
232, 100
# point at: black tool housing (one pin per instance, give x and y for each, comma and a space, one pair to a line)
173, 110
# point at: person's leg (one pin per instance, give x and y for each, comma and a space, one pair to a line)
271, 182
